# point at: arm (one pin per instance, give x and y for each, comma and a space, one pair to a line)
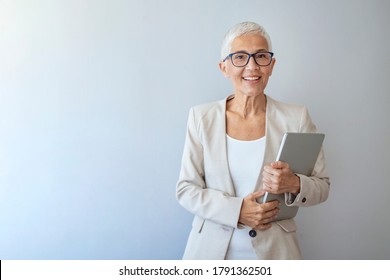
314, 189
300, 190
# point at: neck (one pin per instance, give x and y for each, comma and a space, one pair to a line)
247, 106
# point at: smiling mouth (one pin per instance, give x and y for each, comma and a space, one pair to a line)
251, 78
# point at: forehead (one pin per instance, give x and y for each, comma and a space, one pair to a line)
249, 42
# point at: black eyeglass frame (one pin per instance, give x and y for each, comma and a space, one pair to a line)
249, 57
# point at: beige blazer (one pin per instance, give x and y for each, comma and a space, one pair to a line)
205, 186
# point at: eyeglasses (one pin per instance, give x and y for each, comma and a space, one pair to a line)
240, 59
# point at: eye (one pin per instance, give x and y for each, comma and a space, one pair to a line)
240, 56
262, 55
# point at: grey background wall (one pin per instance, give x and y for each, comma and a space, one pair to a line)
94, 97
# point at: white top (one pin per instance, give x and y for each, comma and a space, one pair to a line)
245, 160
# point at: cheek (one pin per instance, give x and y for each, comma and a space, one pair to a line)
270, 69
266, 75
265, 81
233, 72
267, 71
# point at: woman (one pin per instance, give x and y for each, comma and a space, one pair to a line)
228, 159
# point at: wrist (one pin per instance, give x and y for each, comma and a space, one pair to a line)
296, 185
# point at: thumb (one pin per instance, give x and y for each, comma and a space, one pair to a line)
279, 164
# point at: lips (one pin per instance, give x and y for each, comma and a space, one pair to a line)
251, 78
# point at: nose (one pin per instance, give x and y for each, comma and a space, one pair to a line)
252, 63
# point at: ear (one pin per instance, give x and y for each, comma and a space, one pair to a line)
272, 66
222, 67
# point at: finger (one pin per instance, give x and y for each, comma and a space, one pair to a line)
271, 206
270, 184
268, 169
270, 172
266, 217
274, 189
267, 187
266, 174
266, 208
280, 164
271, 179
277, 164
270, 216
276, 178
258, 194
263, 226
268, 220
274, 213
273, 167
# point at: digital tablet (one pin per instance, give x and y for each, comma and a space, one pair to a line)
300, 151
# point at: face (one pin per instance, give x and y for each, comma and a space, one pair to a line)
252, 79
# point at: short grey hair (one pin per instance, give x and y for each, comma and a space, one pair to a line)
243, 28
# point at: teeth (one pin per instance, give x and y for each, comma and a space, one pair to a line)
251, 78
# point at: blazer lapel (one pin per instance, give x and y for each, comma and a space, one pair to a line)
223, 149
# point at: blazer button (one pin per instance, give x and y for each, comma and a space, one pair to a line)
252, 233
304, 199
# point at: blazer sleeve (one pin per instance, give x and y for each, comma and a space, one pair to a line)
192, 191
314, 188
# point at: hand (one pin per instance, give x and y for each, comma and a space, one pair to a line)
278, 178
257, 215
